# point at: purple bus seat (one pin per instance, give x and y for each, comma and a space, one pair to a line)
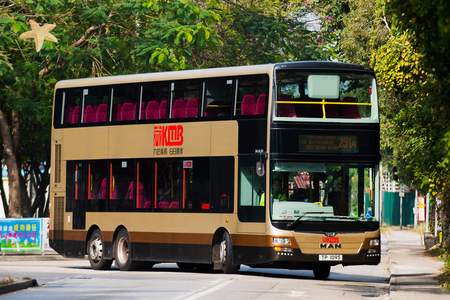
90, 114
192, 108
248, 106
126, 112
69, 115
261, 104
211, 110
179, 109
286, 109
151, 111
174, 205
102, 113
75, 115
332, 110
163, 204
351, 111
162, 111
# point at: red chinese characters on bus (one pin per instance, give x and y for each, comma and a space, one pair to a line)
170, 135
333, 239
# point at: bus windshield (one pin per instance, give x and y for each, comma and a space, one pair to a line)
339, 96
323, 191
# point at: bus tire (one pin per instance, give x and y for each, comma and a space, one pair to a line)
96, 252
123, 252
226, 255
322, 272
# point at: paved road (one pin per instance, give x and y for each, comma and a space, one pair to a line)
404, 273
75, 280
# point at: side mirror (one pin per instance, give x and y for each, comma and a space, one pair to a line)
260, 171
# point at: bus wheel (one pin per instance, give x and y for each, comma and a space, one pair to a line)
123, 252
226, 255
322, 272
95, 252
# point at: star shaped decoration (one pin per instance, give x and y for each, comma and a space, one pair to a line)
39, 34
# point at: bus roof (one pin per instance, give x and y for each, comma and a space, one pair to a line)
212, 72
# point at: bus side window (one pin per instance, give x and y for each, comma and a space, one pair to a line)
169, 183
144, 192
222, 184
217, 97
93, 97
76, 184
181, 92
67, 106
154, 99
122, 172
196, 183
251, 90
125, 102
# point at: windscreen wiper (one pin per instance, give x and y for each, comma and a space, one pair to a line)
292, 224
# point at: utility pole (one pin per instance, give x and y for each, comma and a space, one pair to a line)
427, 215
401, 194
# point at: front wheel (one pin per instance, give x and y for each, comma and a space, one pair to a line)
96, 252
226, 255
123, 252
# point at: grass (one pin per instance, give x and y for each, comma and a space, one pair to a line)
9, 280
444, 277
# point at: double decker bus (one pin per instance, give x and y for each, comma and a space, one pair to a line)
271, 165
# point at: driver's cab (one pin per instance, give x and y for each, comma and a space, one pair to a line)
321, 191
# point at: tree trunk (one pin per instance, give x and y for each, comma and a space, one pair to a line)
11, 164
3, 195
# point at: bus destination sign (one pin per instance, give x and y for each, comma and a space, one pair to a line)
328, 143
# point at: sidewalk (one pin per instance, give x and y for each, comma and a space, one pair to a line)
412, 271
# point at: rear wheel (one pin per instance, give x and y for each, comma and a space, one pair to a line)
123, 252
322, 272
226, 255
96, 252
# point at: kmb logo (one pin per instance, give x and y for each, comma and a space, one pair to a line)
331, 239
170, 135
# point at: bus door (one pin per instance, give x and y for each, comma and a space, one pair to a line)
251, 195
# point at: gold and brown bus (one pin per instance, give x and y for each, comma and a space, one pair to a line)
269, 166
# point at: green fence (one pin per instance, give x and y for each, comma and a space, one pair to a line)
391, 209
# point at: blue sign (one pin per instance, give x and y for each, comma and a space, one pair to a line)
24, 234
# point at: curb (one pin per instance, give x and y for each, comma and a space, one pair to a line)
13, 287
392, 277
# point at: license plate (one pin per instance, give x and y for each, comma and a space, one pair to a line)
330, 257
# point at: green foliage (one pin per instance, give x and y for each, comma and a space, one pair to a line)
115, 37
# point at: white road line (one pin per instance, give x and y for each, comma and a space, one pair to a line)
215, 288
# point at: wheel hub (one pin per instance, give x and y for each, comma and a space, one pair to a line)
96, 250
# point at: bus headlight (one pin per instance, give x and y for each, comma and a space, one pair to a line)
374, 242
282, 241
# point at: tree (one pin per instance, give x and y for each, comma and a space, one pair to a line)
101, 38
406, 42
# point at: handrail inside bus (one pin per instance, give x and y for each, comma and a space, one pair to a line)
323, 103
